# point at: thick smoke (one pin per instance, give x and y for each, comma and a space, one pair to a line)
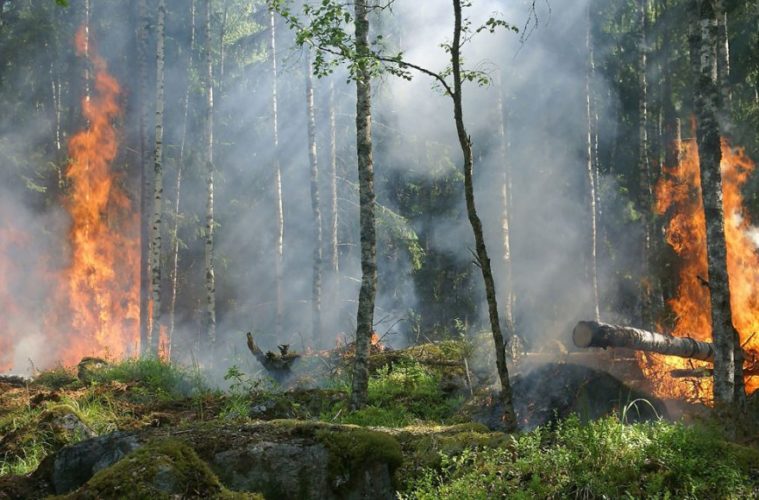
542, 73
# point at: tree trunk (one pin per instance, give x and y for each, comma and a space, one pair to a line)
178, 184
278, 206
646, 189
509, 420
334, 259
154, 332
210, 281
316, 283
603, 335
710, 155
368, 290
591, 174
145, 186
723, 55
507, 288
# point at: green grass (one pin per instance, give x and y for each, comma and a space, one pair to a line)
601, 459
404, 394
153, 377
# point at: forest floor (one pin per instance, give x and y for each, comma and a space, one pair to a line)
147, 429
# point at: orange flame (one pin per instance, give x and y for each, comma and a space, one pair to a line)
679, 192
100, 288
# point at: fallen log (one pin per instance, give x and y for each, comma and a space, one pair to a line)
594, 334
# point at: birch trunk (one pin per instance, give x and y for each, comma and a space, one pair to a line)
709, 151
507, 287
316, 284
154, 333
591, 174
334, 259
723, 55
178, 185
509, 421
210, 281
368, 290
145, 186
278, 206
646, 188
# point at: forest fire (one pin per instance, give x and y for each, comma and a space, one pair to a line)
96, 311
679, 193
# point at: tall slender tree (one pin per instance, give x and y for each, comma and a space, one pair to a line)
142, 71
279, 215
590, 171
368, 290
157, 215
210, 278
316, 283
178, 181
724, 335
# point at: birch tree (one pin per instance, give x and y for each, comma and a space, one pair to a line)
590, 170
178, 181
142, 71
279, 217
316, 283
207, 85
155, 228
725, 337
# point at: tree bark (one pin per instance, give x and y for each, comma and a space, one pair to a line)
591, 173
723, 54
710, 155
278, 206
210, 281
154, 332
334, 259
507, 287
316, 283
178, 185
603, 335
145, 186
509, 420
368, 290
644, 169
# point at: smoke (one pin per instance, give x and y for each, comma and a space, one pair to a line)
542, 79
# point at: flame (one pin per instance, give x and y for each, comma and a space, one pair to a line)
99, 290
679, 193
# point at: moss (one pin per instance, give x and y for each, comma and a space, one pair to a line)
55, 378
352, 449
161, 469
423, 448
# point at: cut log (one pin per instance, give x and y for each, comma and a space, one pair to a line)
594, 334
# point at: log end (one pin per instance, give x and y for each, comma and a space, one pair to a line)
582, 335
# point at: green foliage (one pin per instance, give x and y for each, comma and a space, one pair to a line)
55, 378
400, 394
154, 377
602, 459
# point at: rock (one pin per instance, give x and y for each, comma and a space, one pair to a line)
293, 469
556, 390
165, 468
74, 465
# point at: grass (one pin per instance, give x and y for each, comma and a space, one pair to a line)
404, 394
601, 459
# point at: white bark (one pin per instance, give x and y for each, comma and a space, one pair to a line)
155, 228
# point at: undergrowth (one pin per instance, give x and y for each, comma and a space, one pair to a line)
402, 394
600, 459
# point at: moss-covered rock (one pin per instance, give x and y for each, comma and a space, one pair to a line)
162, 469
